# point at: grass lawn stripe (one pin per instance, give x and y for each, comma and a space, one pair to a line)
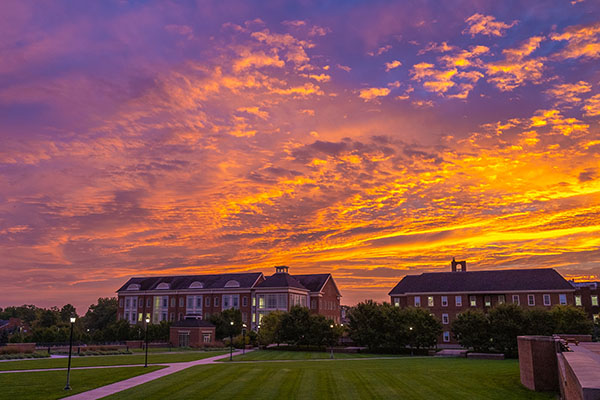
89, 361
50, 384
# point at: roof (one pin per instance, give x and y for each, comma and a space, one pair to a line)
313, 282
482, 281
281, 280
217, 281
192, 323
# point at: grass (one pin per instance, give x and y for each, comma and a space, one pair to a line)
406, 378
50, 384
89, 361
261, 355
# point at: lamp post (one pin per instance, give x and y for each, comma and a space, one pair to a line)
244, 338
331, 326
68, 387
147, 322
231, 341
411, 347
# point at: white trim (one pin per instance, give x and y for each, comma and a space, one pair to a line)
469, 292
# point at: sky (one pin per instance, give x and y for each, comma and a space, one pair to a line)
367, 139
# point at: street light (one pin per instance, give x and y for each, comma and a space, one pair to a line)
331, 326
231, 342
410, 328
244, 338
68, 387
147, 322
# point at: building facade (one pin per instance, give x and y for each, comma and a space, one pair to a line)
175, 298
447, 294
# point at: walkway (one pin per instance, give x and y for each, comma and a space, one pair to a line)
141, 379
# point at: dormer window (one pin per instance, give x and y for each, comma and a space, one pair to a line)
197, 285
232, 283
162, 285
133, 286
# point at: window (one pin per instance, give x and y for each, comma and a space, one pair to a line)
430, 301
272, 301
181, 300
445, 319
196, 285
140, 316
148, 302
207, 302
578, 300
313, 304
162, 286
501, 299
531, 300
516, 299
131, 309
473, 301
180, 317
245, 301
444, 301
141, 302
206, 337
173, 301
253, 301
127, 302
595, 300
458, 300
417, 301
216, 301
546, 299
488, 301
446, 336
596, 318
172, 317
297, 299
244, 317
562, 299
194, 305
231, 301
232, 283
159, 313
396, 301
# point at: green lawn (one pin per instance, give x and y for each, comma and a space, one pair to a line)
405, 378
89, 361
50, 384
260, 355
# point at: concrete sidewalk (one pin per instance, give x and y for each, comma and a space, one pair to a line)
141, 379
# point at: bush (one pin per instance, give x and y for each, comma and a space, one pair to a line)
569, 319
507, 321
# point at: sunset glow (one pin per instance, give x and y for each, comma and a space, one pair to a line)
366, 139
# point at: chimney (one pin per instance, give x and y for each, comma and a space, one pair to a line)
463, 265
281, 269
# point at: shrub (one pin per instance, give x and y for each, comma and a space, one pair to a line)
472, 330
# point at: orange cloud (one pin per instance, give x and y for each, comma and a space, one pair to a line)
372, 93
480, 24
592, 106
582, 41
568, 93
516, 69
391, 65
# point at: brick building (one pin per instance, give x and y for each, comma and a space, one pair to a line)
446, 294
172, 298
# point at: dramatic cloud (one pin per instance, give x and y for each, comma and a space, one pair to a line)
168, 146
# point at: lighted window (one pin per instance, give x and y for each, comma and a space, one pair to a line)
417, 301
446, 336
578, 300
562, 299
501, 299
396, 302
516, 299
488, 301
430, 301
595, 300
547, 300
473, 301
445, 319
444, 301
458, 300
531, 300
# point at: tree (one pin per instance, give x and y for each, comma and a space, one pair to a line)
472, 330
320, 333
101, 315
295, 325
270, 328
507, 321
66, 312
366, 324
426, 328
222, 322
571, 320
539, 321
